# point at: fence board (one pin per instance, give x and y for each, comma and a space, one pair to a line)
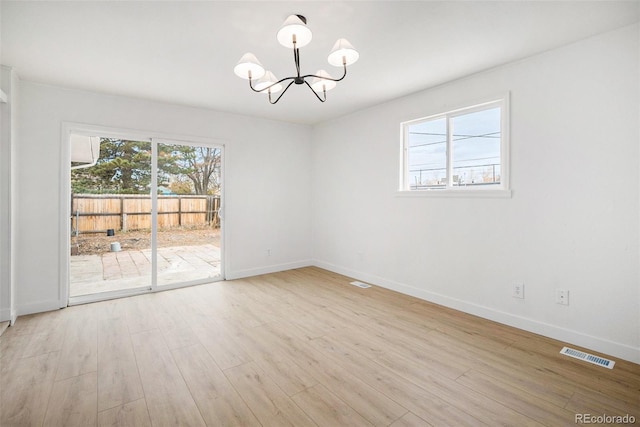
92, 213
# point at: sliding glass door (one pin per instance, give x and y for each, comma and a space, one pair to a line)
189, 187
144, 215
111, 215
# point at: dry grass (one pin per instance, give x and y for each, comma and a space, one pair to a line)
99, 243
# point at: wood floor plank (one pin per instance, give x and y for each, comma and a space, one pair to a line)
189, 305
395, 349
535, 408
180, 337
139, 314
74, 402
296, 312
132, 414
326, 409
248, 313
410, 420
165, 311
13, 346
80, 349
415, 398
267, 354
118, 377
29, 324
271, 406
478, 404
377, 408
168, 398
212, 300
45, 334
218, 401
593, 402
447, 319
221, 345
112, 309
25, 387
3, 327
527, 378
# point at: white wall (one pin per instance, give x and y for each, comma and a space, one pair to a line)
267, 182
572, 220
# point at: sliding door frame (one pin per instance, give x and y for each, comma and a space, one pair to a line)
154, 138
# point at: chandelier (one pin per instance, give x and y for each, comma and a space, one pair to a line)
295, 34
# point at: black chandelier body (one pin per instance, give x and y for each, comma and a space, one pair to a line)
299, 80
295, 34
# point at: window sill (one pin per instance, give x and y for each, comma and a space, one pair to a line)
463, 193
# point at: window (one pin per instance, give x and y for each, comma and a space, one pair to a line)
465, 149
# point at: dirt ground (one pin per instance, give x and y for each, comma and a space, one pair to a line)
99, 243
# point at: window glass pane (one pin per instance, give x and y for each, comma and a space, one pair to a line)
111, 218
427, 154
189, 182
476, 148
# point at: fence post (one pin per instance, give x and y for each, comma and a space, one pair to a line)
210, 206
213, 212
123, 219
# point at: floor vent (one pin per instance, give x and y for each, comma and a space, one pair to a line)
360, 284
588, 357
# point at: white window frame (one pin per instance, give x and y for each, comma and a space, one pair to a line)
498, 190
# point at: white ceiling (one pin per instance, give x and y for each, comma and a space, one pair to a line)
184, 52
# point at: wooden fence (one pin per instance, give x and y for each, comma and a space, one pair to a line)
96, 213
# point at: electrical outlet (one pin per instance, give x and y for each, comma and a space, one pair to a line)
562, 296
268, 252
518, 290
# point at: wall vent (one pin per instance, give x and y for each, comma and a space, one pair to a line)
360, 284
600, 361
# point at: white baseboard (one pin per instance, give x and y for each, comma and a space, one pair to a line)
622, 351
239, 274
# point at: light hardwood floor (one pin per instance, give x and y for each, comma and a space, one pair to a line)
3, 327
297, 348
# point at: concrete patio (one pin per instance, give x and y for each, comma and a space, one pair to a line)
90, 274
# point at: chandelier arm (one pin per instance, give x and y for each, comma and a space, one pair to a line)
315, 93
296, 58
280, 96
270, 86
328, 78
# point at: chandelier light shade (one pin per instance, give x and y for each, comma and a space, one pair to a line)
342, 53
249, 67
295, 34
